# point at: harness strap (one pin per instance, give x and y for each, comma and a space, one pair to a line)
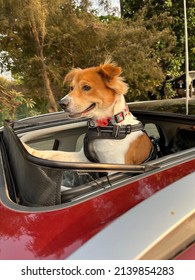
114, 132
155, 150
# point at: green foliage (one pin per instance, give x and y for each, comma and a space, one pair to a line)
13, 102
174, 9
43, 39
143, 51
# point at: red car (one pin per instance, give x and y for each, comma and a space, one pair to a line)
62, 210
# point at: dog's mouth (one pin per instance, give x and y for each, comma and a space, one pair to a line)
88, 109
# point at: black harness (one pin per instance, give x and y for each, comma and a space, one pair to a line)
114, 132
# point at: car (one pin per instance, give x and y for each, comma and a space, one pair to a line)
61, 210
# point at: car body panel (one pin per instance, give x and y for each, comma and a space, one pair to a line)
56, 234
119, 240
57, 231
187, 254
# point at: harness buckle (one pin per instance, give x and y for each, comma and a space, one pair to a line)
119, 117
91, 124
128, 129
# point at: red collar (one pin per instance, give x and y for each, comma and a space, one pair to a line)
110, 120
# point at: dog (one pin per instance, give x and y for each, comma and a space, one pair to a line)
97, 93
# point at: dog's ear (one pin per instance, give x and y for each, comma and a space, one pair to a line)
110, 74
70, 76
109, 71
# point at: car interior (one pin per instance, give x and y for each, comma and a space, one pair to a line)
36, 182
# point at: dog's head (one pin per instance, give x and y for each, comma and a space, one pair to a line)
93, 91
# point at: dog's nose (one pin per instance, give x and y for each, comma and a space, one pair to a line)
64, 103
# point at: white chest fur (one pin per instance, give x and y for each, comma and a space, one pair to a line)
113, 151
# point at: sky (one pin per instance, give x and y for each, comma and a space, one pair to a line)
113, 3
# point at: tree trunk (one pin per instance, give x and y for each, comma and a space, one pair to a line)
121, 8
39, 48
46, 82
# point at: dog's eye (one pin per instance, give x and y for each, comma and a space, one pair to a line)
86, 88
71, 88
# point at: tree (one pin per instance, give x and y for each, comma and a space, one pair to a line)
142, 50
175, 10
65, 35
129, 8
23, 31
139, 46
11, 100
42, 39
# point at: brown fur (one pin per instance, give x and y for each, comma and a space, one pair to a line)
139, 150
